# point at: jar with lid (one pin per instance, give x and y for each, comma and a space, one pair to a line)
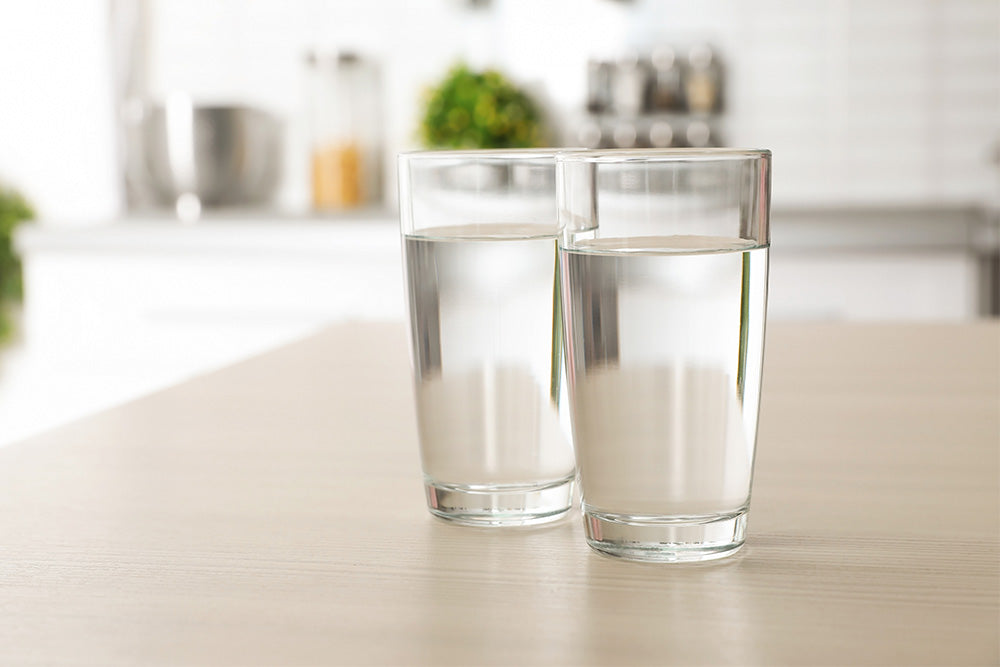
666, 92
598, 86
345, 144
703, 80
629, 86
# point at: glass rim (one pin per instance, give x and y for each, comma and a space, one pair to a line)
481, 153
645, 155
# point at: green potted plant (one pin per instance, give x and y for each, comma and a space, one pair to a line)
470, 109
13, 211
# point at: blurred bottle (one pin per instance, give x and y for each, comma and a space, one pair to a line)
598, 86
703, 80
661, 134
629, 84
589, 134
699, 134
625, 135
666, 92
346, 142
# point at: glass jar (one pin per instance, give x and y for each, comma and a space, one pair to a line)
703, 80
346, 141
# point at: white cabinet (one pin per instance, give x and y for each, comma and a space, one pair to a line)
161, 293
116, 311
866, 286
857, 265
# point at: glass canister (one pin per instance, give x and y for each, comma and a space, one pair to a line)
666, 92
703, 80
346, 137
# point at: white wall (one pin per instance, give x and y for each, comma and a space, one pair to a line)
56, 129
862, 101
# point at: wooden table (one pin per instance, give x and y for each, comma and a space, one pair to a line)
272, 513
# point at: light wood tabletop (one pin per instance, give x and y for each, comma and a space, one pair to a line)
272, 513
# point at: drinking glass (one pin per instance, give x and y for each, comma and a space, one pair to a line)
479, 248
664, 260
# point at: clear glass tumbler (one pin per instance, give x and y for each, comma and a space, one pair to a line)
664, 260
479, 248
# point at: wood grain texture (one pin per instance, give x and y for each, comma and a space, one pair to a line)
272, 513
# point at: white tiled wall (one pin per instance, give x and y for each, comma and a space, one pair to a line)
885, 101
868, 101
862, 101
56, 126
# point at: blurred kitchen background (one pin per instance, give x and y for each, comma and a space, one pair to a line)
213, 178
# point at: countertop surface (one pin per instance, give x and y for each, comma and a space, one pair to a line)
272, 513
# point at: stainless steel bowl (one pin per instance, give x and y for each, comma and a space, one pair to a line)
212, 155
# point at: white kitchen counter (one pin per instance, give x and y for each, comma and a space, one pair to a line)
835, 264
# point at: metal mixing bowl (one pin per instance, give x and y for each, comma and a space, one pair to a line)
220, 155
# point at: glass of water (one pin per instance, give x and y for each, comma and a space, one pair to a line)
479, 248
664, 259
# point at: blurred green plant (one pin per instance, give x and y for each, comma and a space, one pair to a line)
479, 110
14, 210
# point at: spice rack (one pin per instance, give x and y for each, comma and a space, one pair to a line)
668, 97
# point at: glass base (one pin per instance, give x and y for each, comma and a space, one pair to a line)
501, 505
665, 539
